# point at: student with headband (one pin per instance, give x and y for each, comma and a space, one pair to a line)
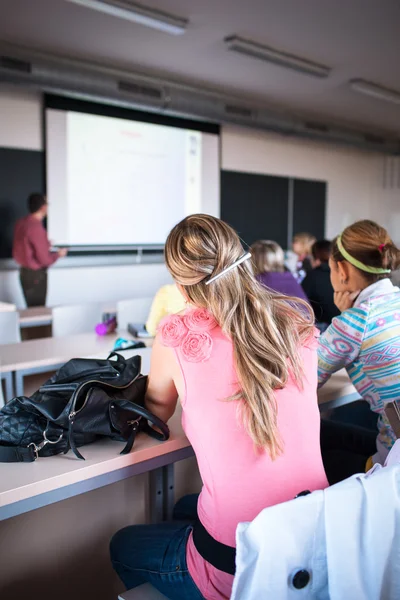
243, 363
365, 339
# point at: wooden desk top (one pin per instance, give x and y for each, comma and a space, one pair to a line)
22, 481
53, 351
338, 386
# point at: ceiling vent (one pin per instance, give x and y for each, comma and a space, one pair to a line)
316, 127
139, 89
373, 139
241, 112
14, 64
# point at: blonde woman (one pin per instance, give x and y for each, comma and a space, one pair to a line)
302, 244
244, 366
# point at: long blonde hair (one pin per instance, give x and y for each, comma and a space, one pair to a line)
266, 329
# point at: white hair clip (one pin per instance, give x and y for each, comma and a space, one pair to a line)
238, 262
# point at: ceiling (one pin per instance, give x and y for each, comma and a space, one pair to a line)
356, 38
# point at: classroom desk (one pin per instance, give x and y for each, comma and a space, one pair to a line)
337, 391
37, 316
27, 486
48, 354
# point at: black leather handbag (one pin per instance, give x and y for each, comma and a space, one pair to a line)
87, 399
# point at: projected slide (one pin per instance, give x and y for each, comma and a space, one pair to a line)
114, 181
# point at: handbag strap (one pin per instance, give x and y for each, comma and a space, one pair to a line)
12, 454
161, 435
148, 416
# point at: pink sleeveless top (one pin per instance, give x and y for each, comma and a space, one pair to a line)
238, 482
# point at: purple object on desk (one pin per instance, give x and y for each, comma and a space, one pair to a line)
107, 327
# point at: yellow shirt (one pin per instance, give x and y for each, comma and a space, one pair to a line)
167, 301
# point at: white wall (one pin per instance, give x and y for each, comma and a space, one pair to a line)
355, 190
20, 119
355, 178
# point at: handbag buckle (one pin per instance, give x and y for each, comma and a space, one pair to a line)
38, 447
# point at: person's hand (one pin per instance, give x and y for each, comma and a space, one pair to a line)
345, 300
62, 252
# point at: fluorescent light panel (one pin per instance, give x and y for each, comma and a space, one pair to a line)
375, 91
276, 57
130, 11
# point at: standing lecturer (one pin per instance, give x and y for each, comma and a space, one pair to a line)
31, 250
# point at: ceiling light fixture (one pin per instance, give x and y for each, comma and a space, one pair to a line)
375, 91
276, 57
130, 11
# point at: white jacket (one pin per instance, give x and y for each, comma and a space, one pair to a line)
342, 543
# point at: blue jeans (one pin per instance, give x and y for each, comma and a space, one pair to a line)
156, 554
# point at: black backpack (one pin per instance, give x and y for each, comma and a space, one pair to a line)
87, 399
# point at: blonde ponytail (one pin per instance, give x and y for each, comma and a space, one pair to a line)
267, 330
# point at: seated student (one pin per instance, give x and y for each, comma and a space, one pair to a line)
269, 267
365, 339
167, 301
245, 370
302, 244
318, 287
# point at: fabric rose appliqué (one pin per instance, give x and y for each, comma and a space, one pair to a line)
173, 330
199, 320
196, 347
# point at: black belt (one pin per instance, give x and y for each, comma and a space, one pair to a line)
219, 555
216, 553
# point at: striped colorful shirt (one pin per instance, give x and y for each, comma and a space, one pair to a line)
365, 339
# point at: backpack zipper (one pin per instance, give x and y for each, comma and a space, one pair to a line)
74, 412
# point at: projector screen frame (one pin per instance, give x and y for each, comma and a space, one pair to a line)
67, 103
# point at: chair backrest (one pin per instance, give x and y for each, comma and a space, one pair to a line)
69, 320
6, 306
133, 311
142, 592
10, 332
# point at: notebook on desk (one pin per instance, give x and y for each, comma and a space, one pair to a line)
138, 330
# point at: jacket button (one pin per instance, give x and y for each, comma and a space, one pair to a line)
301, 579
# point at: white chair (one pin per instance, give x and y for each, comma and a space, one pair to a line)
143, 592
9, 327
7, 307
69, 320
133, 311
